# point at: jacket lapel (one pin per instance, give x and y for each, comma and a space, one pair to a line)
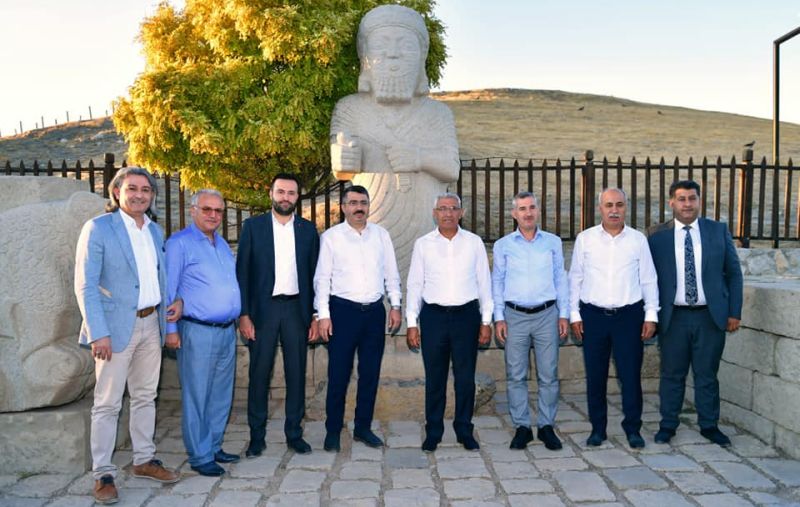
705, 243
124, 240
670, 245
270, 250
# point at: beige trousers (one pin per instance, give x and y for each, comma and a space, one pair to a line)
139, 366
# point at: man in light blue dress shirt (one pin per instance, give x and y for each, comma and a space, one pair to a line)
201, 270
531, 309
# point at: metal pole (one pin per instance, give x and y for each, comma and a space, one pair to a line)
776, 93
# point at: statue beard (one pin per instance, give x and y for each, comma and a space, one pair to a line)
393, 88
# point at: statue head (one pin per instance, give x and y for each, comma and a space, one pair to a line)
392, 47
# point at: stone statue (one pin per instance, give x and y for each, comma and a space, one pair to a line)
390, 137
40, 362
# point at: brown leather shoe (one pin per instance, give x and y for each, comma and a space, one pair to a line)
104, 490
154, 469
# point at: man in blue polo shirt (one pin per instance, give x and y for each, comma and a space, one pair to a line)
201, 270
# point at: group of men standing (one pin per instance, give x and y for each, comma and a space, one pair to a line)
288, 286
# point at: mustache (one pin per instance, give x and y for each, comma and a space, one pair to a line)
358, 213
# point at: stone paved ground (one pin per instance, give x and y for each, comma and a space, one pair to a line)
689, 472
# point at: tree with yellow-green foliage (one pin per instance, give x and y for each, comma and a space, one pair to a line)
235, 91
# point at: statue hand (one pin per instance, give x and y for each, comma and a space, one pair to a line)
345, 154
403, 158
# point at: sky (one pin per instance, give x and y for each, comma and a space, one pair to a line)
69, 55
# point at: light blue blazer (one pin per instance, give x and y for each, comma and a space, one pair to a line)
107, 281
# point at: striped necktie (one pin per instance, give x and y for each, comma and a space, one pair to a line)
688, 267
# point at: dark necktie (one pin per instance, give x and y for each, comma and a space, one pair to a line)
688, 267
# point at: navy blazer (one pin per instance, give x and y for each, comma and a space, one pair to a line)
720, 270
255, 267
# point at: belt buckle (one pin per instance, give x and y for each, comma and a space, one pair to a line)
610, 312
365, 306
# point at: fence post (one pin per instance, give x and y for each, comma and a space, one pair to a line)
587, 191
746, 198
108, 172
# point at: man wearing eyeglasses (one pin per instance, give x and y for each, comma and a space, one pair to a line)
449, 314
201, 271
356, 267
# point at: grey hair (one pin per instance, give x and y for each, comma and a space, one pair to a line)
205, 191
116, 182
523, 195
447, 195
600, 195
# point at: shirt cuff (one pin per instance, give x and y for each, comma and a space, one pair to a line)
499, 314
575, 317
411, 321
172, 327
651, 315
324, 313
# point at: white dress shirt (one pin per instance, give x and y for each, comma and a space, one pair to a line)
449, 272
285, 258
144, 252
680, 262
612, 271
360, 267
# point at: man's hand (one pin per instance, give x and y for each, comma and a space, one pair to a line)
345, 154
101, 349
246, 327
313, 330
577, 330
172, 341
648, 330
325, 329
501, 331
395, 320
484, 335
175, 311
403, 159
733, 325
412, 338
563, 328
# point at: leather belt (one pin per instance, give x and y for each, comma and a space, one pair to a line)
451, 309
222, 325
286, 297
691, 308
364, 307
610, 312
531, 309
144, 312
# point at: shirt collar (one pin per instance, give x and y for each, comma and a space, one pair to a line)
518, 234
608, 234
275, 222
693, 225
198, 235
438, 234
129, 221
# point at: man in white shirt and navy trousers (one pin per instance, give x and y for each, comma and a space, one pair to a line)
614, 306
449, 313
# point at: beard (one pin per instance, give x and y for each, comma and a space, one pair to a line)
393, 88
283, 211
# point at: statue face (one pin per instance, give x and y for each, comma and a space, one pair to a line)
393, 63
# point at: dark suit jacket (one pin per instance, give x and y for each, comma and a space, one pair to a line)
255, 266
721, 272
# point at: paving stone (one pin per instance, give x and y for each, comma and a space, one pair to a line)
686, 436
583, 486
656, 499
194, 485
403, 427
173, 445
406, 458
651, 447
552, 465
517, 486
40, 486
423, 497
15, 501
242, 484
354, 502
741, 475
299, 481
770, 499
471, 503
537, 500
361, 470
83, 485
395, 441
7, 480
258, 468
487, 421
313, 461
473, 489
568, 415
133, 497
236, 499
574, 427
173, 460
129, 481
612, 458
539, 451
603, 504
502, 453
178, 501
751, 447
784, 470
516, 470
444, 452
354, 489
580, 440
364, 453
697, 482
635, 477
724, 500
72, 501
293, 500
709, 452
494, 436
671, 463
412, 478
122, 458
462, 468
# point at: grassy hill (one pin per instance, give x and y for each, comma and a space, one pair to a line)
505, 123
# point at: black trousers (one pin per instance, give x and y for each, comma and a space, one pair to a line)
619, 333
284, 326
449, 333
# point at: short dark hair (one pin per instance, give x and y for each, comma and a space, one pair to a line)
683, 185
285, 176
358, 189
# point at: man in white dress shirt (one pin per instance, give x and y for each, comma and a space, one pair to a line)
613, 307
356, 267
450, 298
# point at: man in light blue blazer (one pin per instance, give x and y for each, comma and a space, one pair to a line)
121, 285
700, 293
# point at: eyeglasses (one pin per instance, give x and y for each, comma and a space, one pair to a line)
445, 209
357, 203
207, 210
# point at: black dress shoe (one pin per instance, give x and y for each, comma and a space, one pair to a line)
255, 449
332, 442
209, 469
469, 443
225, 457
547, 435
596, 439
635, 440
522, 437
368, 438
716, 436
664, 435
299, 446
430, 444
